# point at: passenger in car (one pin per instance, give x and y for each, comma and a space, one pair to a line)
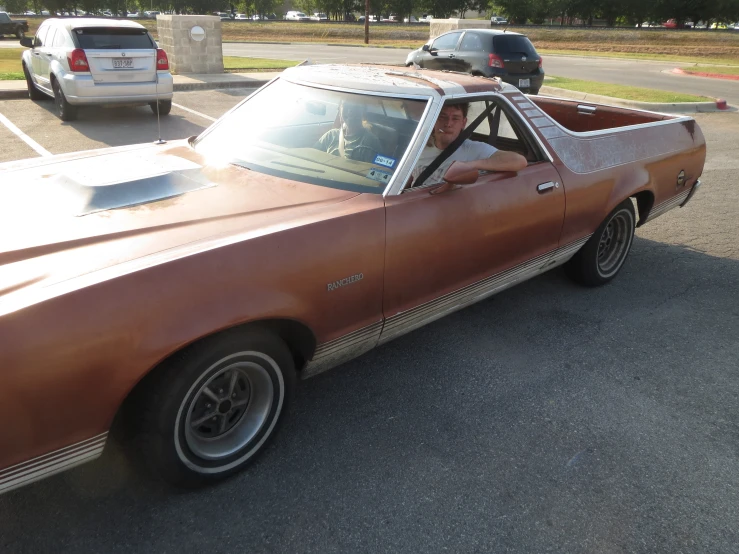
352, 140
475, 155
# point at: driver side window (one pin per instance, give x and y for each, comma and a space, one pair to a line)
40, 36
446, 42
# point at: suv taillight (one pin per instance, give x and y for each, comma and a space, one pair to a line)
162, 60
495, 61
540, 61
77, 60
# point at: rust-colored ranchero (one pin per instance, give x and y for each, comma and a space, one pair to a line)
194, 282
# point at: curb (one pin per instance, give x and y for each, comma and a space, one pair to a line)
678, 71
20, 93
676, 107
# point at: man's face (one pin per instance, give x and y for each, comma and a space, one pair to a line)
450, 123
351, 114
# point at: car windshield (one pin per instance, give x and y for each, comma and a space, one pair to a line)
317, 136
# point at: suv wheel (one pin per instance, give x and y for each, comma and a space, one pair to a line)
165, 106
33, 92
20, 33
65, 110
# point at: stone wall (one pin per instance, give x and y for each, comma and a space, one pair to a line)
441, 26
187, 55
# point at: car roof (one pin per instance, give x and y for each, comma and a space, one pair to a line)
485, 32
392, 80
81, 22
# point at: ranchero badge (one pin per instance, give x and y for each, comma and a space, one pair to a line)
346, 281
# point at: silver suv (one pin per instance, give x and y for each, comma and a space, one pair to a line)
96, 61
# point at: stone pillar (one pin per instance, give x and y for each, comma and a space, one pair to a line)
192, 42
441, 26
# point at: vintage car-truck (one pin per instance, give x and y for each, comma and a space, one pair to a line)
189, 286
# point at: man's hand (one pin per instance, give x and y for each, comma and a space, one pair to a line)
502, 160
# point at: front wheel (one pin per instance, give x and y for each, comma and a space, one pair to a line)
65, 110
165, 106
603, 256
33, 92
211, 410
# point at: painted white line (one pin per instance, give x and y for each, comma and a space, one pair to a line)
194, 112
24, 137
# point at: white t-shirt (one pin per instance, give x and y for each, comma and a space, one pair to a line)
468, 151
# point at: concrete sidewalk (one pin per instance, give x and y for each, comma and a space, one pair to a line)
17, 89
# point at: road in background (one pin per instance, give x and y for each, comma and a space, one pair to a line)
623, 72
549, 418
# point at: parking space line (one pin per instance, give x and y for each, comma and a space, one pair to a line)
24, 137
194, 112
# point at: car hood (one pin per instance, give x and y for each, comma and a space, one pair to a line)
72, 215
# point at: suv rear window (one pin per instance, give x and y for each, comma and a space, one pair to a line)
113, 38
516, 44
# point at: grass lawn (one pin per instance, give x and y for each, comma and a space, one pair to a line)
719, 70
10, 64
238, 62
624, 92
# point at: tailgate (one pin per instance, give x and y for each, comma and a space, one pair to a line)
517, 52
118, 54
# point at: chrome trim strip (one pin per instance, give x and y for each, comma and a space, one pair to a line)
404, 322
695, 188
340, 350
668, 205
46, 465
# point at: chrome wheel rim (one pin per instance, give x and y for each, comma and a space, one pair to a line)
229, 410
614, 243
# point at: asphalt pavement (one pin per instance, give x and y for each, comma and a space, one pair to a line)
550, 418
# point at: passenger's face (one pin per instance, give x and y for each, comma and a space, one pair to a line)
450, 123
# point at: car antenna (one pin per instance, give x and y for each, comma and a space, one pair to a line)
159, 124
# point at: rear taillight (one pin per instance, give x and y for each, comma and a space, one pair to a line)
162, 60
495, 61
77, 60
540, 61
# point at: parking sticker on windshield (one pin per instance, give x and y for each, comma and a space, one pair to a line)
387, 161
379, 176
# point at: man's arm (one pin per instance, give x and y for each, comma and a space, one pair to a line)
502, 160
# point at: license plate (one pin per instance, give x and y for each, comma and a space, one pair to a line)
524, 83
122, 63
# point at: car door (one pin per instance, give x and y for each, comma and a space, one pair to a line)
442, 51
449, 249
45, 56
36, 55
470, 53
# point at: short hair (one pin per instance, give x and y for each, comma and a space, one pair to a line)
462, 106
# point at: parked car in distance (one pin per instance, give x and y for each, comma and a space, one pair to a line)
293, 15
350, 17
508, 56
241, 17
412, 19
673, 24
184, 289
319, 16
497, 20
87, 61
8, 26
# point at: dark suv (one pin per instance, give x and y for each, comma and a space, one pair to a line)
510, 56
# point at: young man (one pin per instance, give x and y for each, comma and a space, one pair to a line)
472, 154
352, 141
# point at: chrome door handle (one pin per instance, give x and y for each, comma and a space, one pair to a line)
546, 187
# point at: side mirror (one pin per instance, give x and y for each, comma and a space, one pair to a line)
425, 47
27, 42
461, 173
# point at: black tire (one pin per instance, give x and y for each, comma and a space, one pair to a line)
33, 92
603, 256
179, 440
165, 106
65, 110
20, 33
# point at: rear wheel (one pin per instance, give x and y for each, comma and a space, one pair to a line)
165, 106
212, 409
603, 256
20, 33
65, 110
33, 92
